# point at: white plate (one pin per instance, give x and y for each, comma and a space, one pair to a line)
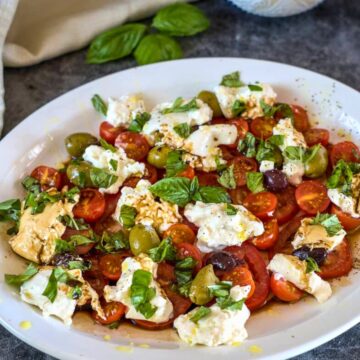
281, 331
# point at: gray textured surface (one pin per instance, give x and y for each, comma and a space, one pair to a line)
325, 40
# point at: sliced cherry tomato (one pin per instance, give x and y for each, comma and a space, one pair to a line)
317, 136
262, 128
97, 281
207, 179
242, 276
301, 119
189, 173
287, 206
110, 265
151, 174
190, 250
185, 221
111, 201
347, 221
269, 237
261, 204
219, 120
180, 233
165, 274
113, 311
109, 133
239, 194
311, 196
80, 249
65, 180
259, 272
242, 128
134, 144
227, 153
284, 290
345, 150
91, 205
108, 224
242, 165
48, 177
338, 262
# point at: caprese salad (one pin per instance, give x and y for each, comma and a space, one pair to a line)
191, 216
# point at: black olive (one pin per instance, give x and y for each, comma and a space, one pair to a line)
63, 259
319, 255
275, 180
302, 253
222, 260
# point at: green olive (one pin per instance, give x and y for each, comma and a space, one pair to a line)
142, 238
77, 143
79, 174
317, 166
199, 292
209, 98
278, 158
158, 155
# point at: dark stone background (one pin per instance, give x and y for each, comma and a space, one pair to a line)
326, 40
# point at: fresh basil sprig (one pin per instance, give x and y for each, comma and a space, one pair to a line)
77, 224
330, 222
165, 251
184, 270
18, 280
183, 130
138, 123
112, 242
270, 111
238, 107
227, 178
128, 215
255, 181
99, 104
221, 291
231, 210
174, 163
311, 265
105, 145
254, 87
10, 210
200, 313
247, 146
179, 106
101, 178
232, 80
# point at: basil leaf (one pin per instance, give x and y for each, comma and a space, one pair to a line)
179, 106
157, 47
232, 80
31, 184
127, 216
78, 240
247, 146
138, 123
212, 194
201, 312
75, 292
99, 104
194, 187
255, 87
294, 153
331, 223
114, 164
186, 264
285, 111
102, 179
231, 210
311, 265
10, 210
77, 224
184, 270
115, 43
112, 242
180, 20
229, 303
71, 194
311, 153
18, 280
184, 289
238, 107
265, 151
227, 178
78, 264
105, 145
221, 289
341, 177
255, 181
183, 130
62, 246
165, 251
219, 166
276, 140
174, 164
57, 275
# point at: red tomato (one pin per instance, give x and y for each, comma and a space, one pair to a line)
109, 133
180, 233
239, 194
134, 144
151, 174
96, 280
317, 136
269, 237
348, 222
262, 127
284, 290
242, 128
242, 276
242, 165
259, 272
287, 206
165, 274
208, 179
185, 221
110, 265
261, 204
189, 173
226, 152
311, 196
48, 177
113, 311
345, 150
111, 201
91, 205
338, 262
108, 224
189, 250
80, 249
301, 119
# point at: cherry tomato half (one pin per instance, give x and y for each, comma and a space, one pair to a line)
180, 233
151, 174
284, 290
261, 204
134, 144
317, 136
207, 179
286, 205
301, 119
189, 173
111, 201
269, 237
48, 177
239, 194
242, 276
311, 196
347, 221
165, 274
242, 165
262, 128
242, 128
91, 205
109, 133
113, 311
345, 150
110, 265
190, 250
80, 249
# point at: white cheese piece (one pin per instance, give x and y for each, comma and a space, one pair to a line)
158, 214
217, 229
102, 159
208, 163
123, 110
63, 306
346, 203
266, 165
121, 292
219, 327
294, 270
35, 240
315, 236
292, 137
294, 171
228, 95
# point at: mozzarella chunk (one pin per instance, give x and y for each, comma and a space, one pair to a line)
219, 327
266, 165
63, 306
294, 171
123, 110
292, 137
158, 214
125, 167
228, 95
121, 292
315, 236
294, 270
208, 163
35, 240
217, 229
